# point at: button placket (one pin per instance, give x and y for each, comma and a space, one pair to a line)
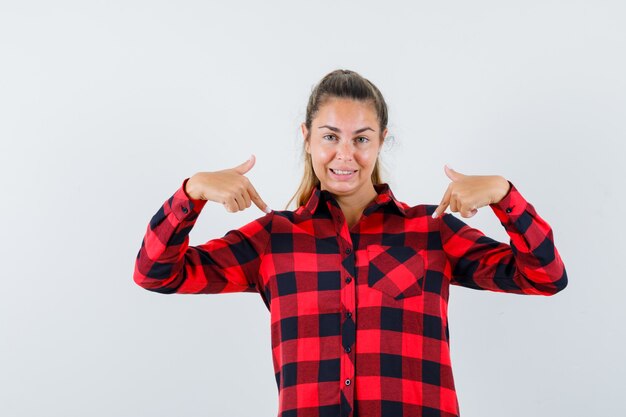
348, 305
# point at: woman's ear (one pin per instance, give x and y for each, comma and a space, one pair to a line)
305, 133
382, 141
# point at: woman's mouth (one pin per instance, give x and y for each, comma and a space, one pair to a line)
341, 174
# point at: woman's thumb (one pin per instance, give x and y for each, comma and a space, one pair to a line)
246, 166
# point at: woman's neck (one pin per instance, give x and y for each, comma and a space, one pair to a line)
353, 205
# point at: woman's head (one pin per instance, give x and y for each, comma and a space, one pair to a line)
345, 126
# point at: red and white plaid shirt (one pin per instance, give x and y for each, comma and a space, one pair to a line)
359, 320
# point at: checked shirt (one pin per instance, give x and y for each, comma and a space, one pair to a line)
358, 317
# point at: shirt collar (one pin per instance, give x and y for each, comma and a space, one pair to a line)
385, 196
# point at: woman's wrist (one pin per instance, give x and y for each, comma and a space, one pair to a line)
503, 187
190, 190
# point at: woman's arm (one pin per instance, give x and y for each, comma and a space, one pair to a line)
531, 263
167, 264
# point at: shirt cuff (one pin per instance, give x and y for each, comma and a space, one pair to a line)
512, 205
183, 206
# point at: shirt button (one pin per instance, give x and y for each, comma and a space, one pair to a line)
508, 209
348, 314
348, 381
348, 250
348, 280
348, 349
185, 210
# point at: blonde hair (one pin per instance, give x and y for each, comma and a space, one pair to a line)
342, 84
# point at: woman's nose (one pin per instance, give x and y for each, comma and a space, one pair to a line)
345, 151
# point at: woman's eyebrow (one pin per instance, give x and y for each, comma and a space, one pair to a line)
334, 129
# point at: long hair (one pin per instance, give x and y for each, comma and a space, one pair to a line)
338, 84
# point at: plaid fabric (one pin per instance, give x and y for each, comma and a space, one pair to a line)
358, 317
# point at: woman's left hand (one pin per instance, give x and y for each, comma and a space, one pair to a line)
467, 193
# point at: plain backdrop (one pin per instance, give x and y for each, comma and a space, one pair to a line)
107, 106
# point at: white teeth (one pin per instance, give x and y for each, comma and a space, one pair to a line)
336, 171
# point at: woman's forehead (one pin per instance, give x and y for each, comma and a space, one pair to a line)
347, 113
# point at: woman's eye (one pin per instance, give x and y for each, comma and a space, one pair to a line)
361, 139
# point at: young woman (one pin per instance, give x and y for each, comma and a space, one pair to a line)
355, 280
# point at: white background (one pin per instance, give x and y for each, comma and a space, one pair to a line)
106, 107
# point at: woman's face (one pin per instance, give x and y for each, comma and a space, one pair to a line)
345, 137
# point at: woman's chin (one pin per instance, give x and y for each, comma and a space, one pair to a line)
341, 187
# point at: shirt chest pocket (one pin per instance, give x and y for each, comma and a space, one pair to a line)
397, 271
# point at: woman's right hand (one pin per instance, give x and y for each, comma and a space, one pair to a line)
228, 187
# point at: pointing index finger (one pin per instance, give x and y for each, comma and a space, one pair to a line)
257, 200
445, 201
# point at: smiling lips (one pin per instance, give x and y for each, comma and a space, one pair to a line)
342, 173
